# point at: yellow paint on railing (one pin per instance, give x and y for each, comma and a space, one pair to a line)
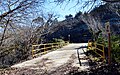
44, 48
93, 46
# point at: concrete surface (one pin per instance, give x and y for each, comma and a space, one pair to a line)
54, 59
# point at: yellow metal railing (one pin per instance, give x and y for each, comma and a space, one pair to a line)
45, 48
97, 48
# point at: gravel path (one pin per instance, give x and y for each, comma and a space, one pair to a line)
59, 62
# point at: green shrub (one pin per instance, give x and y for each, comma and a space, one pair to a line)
115, 46
55, 40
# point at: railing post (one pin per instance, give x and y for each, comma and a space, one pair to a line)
103, 53
88, 44
44, 49
109, 42
32, 51
58, 45
52, 46
95, 45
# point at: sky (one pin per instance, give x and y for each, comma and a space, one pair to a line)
62, 9
65, 8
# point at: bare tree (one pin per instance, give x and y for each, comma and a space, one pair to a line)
15, 19
44, 26
94, 24
91, 3
16, 11
16, 6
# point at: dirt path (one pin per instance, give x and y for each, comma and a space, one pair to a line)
59, 62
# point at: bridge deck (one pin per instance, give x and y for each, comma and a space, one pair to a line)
56, 59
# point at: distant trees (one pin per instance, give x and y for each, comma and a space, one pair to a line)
92, 3
69, 16
78, 14
111, 1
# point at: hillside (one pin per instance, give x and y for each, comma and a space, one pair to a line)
76, 29
107, 13
72, 30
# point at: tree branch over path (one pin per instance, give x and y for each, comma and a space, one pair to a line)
21, 5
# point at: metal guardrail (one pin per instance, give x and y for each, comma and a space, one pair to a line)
41, 49
97, 48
